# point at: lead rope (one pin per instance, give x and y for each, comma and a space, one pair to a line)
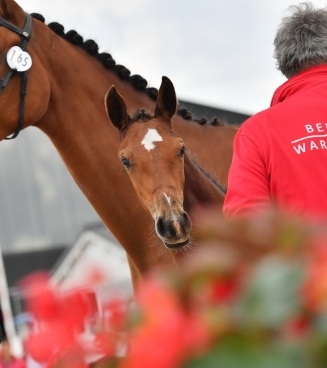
21, 106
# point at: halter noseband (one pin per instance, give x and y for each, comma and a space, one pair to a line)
25, 36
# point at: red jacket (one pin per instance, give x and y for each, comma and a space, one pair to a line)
280, 154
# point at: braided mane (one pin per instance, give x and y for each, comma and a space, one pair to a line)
123, 73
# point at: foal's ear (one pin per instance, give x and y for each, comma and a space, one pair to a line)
116, 109
166, 102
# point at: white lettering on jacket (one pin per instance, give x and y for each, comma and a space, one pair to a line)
309, 143
301, 148
318, 127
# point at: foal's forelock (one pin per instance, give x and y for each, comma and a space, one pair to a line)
141, 114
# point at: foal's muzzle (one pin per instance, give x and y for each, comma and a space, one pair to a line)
174, 231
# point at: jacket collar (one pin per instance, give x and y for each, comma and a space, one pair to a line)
306, 79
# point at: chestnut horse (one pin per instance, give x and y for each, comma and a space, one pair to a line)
159, 167
64, 95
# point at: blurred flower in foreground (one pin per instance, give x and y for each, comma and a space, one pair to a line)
254, 285
166, 332
251, 294
315, 285
59, 320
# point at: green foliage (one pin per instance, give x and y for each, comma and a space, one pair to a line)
240, 351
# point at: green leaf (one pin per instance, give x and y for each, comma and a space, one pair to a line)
272, 294
238, 352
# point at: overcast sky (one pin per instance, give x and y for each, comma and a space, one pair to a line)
216, 52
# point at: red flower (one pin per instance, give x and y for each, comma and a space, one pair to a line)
223, 289
296, 327
105, 343
69, 359
41, 299
167, 334
59, 318
115, 312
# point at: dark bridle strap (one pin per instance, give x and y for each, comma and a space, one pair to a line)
21, 107
4, 81
25, 34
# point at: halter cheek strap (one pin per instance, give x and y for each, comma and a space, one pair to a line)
25, 36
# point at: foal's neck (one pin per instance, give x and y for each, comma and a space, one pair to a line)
200, 190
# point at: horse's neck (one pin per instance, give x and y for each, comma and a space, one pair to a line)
199, 190
77, 124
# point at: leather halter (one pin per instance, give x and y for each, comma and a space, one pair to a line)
25, 34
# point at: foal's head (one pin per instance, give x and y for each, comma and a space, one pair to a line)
153, 155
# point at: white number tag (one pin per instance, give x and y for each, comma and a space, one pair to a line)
19, 59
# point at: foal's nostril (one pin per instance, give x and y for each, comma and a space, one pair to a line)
185, 218
187, 222
162, 228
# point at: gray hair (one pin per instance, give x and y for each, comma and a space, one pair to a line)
301, 39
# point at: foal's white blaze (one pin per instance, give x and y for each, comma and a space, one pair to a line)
173, 216
151, 136
168, 199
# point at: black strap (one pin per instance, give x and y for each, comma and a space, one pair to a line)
21, 106
25, 34
22, 32
4, 81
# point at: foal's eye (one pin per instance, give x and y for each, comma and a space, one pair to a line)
125, 162
182, 151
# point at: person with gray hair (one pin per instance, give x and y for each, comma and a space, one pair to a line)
280, 154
